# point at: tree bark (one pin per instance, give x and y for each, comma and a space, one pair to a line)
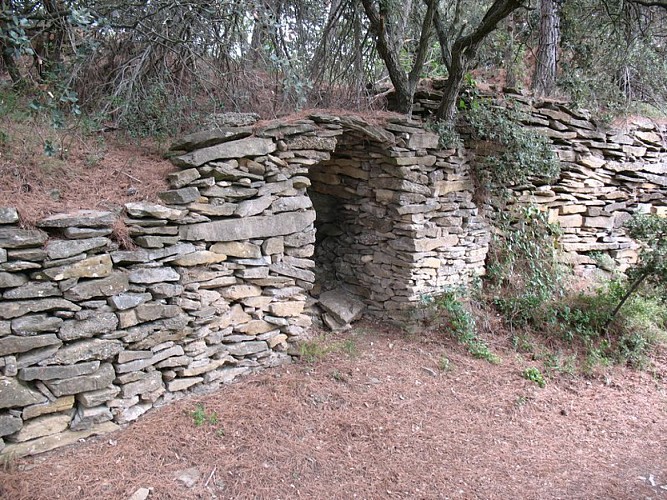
389, 49
464, 51
544, 78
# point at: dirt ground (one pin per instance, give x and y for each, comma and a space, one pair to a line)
378, 417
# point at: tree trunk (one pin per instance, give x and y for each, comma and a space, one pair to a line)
10, 65
464, 50
388, 48
457, 70
544, 79
510, 66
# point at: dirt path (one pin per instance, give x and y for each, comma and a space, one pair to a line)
382, 422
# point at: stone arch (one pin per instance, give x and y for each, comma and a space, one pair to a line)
377, 211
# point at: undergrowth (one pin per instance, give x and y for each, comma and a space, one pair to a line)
526, 284
453, 317
316, 349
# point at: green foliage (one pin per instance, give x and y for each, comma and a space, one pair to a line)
583, 318
651, 232
523, 272
534, 375
158, 111
200, 416
449, 138
519, 153
612, 55
454, 318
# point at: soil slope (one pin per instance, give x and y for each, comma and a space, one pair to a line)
378, 418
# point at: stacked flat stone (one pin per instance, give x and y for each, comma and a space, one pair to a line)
221, 274
608, 174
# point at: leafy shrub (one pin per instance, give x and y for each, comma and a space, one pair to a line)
452, 316
534, 375
523, 272
520, 152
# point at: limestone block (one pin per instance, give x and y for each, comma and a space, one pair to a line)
287, 309
11, 237
53, 441
200, 258
342, 305
236, 292
81, 218
12, 344
150, 275
85, 418
181, 196
34, 324
95, 381
222, 210
209, 138
8, 215
145, 209
85, 350
58, 371
253, 206
95, 398
9, 424
10, 280
235, 316
13, 394
240, 249
292, 204
423, 140
59, 405
98, 324
140, 364
132, 413
125, 301
98, 266
247, 348
41, 426
570, 220
252, 227
183, 178
293, 272
61, 249
149, 384
255, 327
249, 146
33, 290
599, 222
180, 384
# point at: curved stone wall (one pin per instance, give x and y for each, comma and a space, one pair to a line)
221, 279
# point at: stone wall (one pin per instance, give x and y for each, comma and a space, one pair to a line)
608, 173
267, 227
221, 278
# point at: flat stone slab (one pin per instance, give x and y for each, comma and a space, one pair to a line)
8, 215
84, 383
342, 305
61, 249
13, 394
249, 146
48, 443
11, 237
81, 218
209, 138
250, 228
84, 350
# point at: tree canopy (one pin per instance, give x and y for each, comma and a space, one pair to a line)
123, 58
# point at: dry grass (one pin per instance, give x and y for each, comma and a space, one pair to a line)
384, 423
101, 171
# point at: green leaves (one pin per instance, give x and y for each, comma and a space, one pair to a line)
521, 152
